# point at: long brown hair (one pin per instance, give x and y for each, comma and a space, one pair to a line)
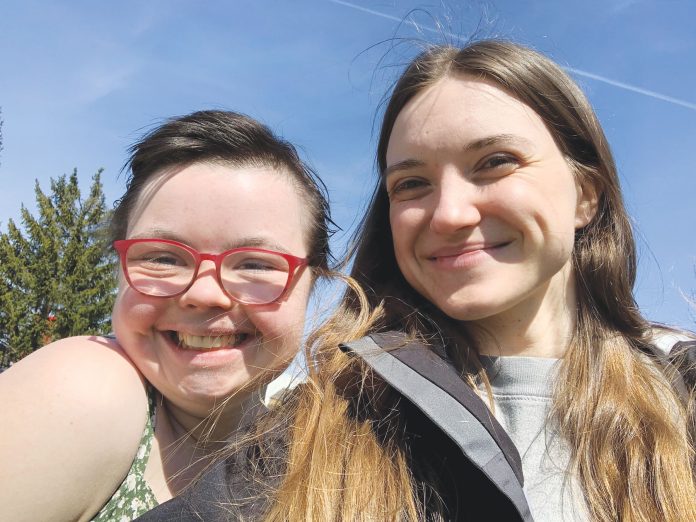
626, 427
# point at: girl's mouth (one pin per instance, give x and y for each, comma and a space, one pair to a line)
207, 342
445, 254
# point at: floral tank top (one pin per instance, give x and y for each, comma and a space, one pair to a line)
134, 497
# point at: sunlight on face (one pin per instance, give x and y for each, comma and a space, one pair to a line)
483, 206
201, 345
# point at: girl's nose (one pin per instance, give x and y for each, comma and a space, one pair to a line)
456, 205
205, 291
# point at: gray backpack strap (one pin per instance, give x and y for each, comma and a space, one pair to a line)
455, 420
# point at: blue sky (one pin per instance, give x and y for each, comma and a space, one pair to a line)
80, 81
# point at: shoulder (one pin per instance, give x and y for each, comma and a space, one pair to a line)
678, 348
75, 408
665, 338
85, 376
75, 354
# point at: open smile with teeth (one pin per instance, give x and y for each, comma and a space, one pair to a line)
208, 342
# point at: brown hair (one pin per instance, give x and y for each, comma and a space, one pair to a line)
626, 427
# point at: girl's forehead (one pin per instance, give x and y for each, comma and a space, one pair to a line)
458, 110
217, 204
463, 96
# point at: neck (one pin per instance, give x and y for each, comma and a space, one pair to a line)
187, 442
540, 326
208, 432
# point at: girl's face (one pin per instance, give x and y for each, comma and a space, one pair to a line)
201, 346
483, 205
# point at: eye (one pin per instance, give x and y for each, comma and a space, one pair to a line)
262, 263
161, 259
499, 161
406, 186
254, 264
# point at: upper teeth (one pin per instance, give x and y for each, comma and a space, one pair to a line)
207, 341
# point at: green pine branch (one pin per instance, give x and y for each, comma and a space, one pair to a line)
58, 275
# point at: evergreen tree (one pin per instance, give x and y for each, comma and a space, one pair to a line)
57, 275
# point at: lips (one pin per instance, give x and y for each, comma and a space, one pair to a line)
189, 341
463, 250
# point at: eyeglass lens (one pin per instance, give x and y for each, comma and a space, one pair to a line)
162, 269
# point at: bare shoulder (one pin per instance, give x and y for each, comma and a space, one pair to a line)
665, 337
86, 377
73, 413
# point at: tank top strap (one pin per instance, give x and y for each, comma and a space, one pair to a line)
134, 496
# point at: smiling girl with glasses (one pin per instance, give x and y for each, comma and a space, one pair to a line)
221, 234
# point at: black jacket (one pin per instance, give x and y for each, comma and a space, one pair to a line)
449, 427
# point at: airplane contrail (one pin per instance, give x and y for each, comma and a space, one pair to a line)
572, 70
632, 88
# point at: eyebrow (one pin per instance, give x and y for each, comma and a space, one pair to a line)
257, 242
497, 139
482, 143
246, 241
403, 165
158, 233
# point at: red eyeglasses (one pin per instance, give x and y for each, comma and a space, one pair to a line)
165, 268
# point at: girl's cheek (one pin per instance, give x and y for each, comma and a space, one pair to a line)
278, 324
133, 314
285, 322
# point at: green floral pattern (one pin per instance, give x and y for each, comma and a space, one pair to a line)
134, 497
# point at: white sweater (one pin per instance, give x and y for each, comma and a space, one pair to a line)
522, 392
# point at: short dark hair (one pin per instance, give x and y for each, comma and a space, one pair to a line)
229, 138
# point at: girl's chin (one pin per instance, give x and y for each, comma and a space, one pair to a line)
462, 310
212, 392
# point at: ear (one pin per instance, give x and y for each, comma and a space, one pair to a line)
588, 200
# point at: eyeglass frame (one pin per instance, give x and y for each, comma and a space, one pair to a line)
294, 264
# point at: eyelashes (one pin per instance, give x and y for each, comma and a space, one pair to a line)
499, 160
487, 170
406, 185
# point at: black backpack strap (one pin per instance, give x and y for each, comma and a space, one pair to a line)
436, 389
